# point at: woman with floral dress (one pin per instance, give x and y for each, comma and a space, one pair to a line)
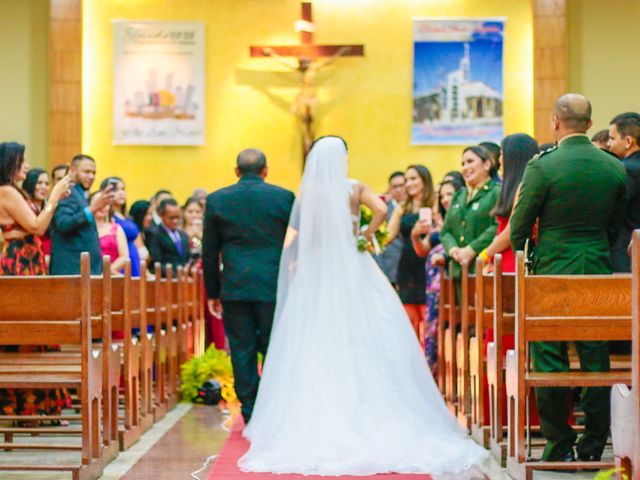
425, 239
22, 254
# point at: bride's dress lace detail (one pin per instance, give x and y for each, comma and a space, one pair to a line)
345, 388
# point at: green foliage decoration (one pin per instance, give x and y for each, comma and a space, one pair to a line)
213, 364
609, 474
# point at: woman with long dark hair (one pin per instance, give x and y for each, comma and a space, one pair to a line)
37, 186
517, 150
20, 222
141, 214
22, 254
192, 217
410, 277
135, 244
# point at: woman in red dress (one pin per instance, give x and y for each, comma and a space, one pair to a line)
517, 150
22, 254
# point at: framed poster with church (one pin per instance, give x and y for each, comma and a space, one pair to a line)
457, 81
158, 89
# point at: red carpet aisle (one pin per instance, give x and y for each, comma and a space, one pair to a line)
226, 468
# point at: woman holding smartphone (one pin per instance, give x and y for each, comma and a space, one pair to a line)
425, 237
411, 276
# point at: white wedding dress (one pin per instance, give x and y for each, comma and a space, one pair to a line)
345, 388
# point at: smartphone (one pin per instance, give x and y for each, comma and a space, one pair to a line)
426, 215
113, 183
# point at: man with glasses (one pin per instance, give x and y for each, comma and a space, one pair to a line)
388, 260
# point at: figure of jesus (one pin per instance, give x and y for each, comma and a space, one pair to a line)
306, 101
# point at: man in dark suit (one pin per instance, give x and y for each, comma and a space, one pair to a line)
244, 229
624, 141
73, 226
166, 243
577, 193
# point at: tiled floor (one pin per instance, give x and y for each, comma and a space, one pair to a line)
178, 446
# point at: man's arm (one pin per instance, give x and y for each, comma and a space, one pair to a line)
211, 252
447, 238
70, 216
533, 192
152, 241
619, 212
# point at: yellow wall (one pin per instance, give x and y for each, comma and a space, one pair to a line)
367, 100
24, 81
604, 64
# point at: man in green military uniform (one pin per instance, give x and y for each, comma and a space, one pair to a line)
577, 192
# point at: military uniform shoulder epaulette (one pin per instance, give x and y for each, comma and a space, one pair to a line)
545, 152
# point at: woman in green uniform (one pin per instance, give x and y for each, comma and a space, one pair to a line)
469, 226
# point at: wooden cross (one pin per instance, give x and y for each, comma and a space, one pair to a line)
308, 49
306, 53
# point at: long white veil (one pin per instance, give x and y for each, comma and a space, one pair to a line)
320, 236
345, 389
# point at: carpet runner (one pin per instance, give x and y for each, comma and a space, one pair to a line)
226, 465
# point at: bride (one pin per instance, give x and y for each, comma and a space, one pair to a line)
345, 388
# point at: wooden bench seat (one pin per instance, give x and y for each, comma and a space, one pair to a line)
480, 425
449, 325
560, 308
463, 375
575, 378
625, 402
57, 310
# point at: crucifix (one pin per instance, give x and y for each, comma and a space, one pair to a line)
310, 59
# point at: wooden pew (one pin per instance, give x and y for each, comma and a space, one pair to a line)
444, 305
101, 312
561, 308
625, 403
477, 364
57, 310
463, 376
503, 324
449, 344
69, 361
199, 300
172, 325
158, 309
128, 312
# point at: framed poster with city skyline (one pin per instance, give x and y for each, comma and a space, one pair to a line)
158, 83
457, 81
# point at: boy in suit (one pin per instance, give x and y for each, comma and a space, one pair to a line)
167, 244
244, 229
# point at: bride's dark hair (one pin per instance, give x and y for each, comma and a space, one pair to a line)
346, 147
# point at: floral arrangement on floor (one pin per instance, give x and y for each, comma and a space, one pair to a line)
213, 364
377, 245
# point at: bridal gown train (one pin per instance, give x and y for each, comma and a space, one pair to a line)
345, 388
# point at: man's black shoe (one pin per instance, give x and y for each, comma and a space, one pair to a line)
589, 457
567, 457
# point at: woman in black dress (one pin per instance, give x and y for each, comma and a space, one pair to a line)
411, 274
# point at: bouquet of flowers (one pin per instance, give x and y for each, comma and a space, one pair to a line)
377, 244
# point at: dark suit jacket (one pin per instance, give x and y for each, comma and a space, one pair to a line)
73, 233
619, 256
245, 225
163, 250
